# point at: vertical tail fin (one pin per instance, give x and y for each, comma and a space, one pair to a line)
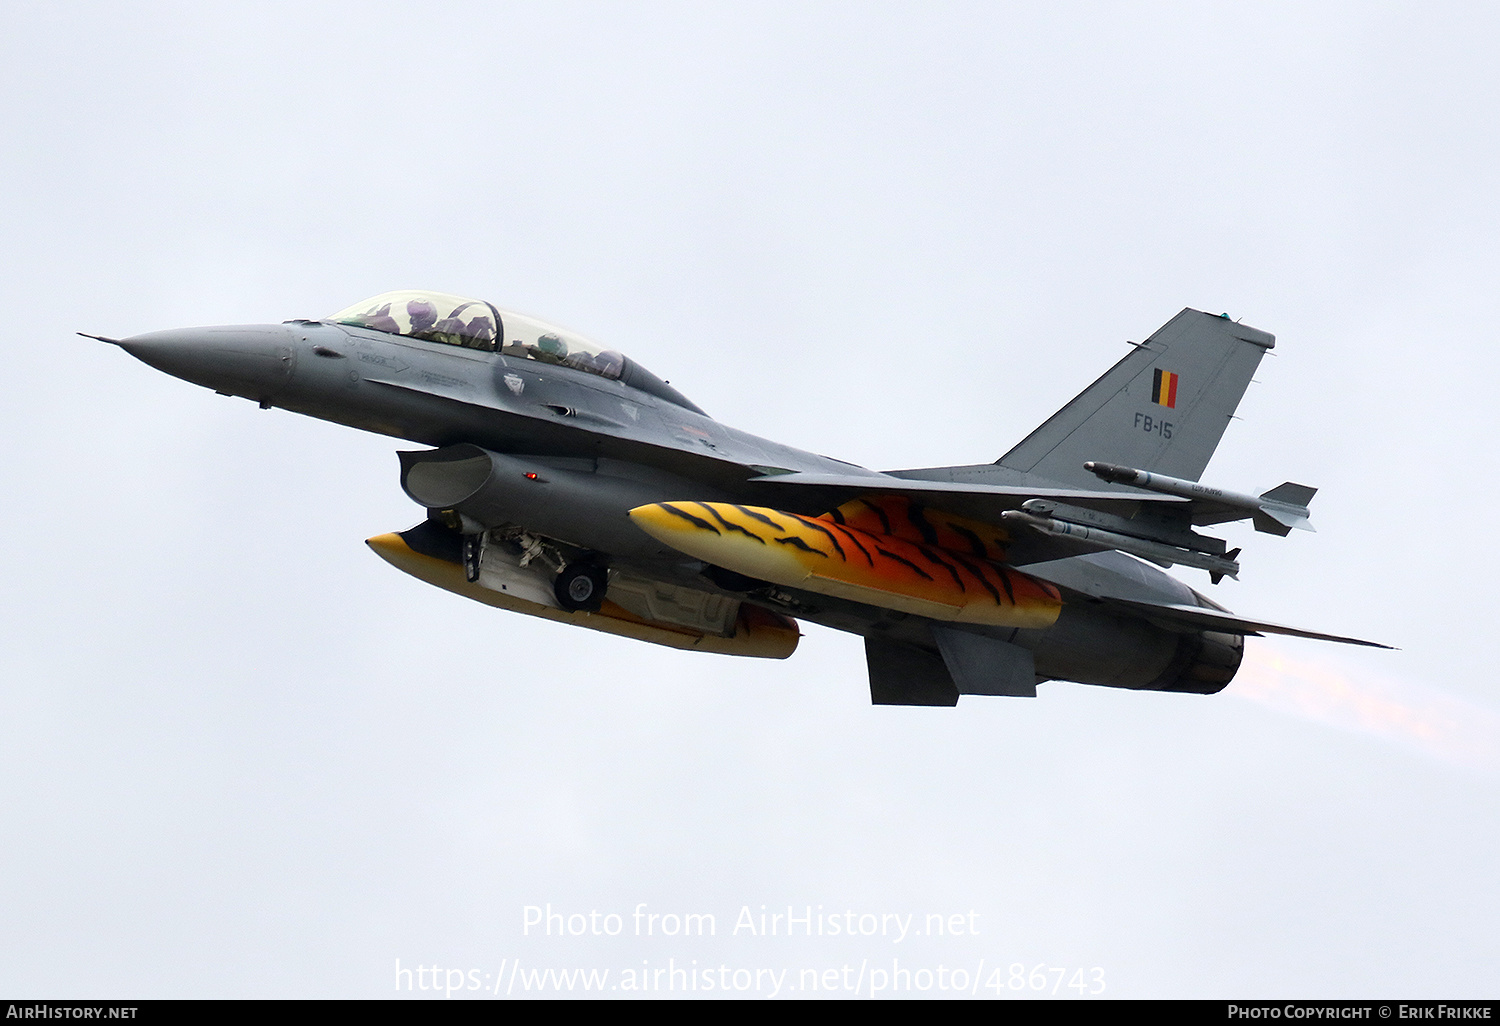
1163, 408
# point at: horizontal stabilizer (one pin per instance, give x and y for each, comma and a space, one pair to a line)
1218, 620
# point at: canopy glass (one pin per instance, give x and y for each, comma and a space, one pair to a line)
475, 324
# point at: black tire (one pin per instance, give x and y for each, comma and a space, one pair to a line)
580, 587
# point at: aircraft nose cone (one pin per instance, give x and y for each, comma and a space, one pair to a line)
249, 360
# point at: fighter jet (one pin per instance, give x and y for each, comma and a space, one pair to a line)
564, 480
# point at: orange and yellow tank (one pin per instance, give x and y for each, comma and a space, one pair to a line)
758, 632
943, 576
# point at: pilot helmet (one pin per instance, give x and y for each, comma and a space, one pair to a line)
422, 313
552, 345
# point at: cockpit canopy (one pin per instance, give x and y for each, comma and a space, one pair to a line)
433, 316
475, 324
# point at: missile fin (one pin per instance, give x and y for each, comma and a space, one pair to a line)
1291, 494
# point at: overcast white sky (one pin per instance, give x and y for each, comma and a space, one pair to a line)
241, 756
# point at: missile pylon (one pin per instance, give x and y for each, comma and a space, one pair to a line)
1218, 566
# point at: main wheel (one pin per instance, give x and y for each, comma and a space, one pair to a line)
581, 586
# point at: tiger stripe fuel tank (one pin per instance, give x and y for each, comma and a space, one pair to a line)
831, 558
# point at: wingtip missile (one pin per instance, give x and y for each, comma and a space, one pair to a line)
1274, 512
1112, 473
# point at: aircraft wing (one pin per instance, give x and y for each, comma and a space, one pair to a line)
980, 501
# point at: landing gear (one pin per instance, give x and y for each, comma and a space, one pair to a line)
580, 586
473, 549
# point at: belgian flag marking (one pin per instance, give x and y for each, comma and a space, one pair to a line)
1164, 388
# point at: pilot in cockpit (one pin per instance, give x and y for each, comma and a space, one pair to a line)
423, 316
549, 349
381, 320
481, 331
